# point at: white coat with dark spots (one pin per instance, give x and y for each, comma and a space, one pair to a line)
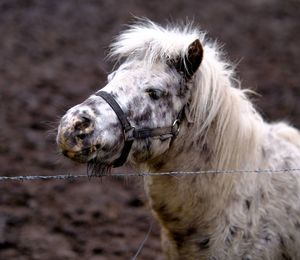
168, 71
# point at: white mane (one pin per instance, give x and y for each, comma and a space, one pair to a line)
152, 42
218, 107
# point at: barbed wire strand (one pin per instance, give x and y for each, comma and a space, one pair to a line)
73, 177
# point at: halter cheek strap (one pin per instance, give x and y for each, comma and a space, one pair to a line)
131, 133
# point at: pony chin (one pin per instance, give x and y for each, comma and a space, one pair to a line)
96, 168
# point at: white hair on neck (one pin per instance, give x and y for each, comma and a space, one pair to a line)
218, 106
221, 107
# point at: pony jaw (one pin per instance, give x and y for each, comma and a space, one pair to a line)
83, 155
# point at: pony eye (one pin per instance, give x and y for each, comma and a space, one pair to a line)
155, 94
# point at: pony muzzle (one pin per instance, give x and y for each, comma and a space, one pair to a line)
75, 140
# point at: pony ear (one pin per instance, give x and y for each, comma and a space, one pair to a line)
194, 57
191, 61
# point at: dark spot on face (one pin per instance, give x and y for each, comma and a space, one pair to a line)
248, 204
75, 113
69, 139
129, 111
204, 244
297, 225
166, 103
90, 102
66, 134
115, 125
136, 101
95, 111
144, 116
114, 95
291, 237
183, 89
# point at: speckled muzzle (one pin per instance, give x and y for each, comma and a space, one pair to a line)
75, 136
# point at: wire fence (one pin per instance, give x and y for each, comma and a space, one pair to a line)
72, 177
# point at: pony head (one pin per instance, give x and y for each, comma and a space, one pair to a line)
152, 87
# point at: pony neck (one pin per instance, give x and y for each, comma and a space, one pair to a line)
230, 141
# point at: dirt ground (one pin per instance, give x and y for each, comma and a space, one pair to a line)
52, 56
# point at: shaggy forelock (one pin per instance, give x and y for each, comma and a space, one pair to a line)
151, 42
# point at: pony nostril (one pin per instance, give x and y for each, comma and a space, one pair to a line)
83, 128
84, 123
85, 119
81, 136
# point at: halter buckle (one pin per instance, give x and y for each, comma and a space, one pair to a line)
128, 134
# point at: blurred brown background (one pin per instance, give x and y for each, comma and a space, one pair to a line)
52, 57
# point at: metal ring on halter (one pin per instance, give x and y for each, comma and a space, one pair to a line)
176, 123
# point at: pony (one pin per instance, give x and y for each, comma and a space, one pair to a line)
175, 104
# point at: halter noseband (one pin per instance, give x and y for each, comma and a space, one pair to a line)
131, 133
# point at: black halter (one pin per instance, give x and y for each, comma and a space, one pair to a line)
131, 133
